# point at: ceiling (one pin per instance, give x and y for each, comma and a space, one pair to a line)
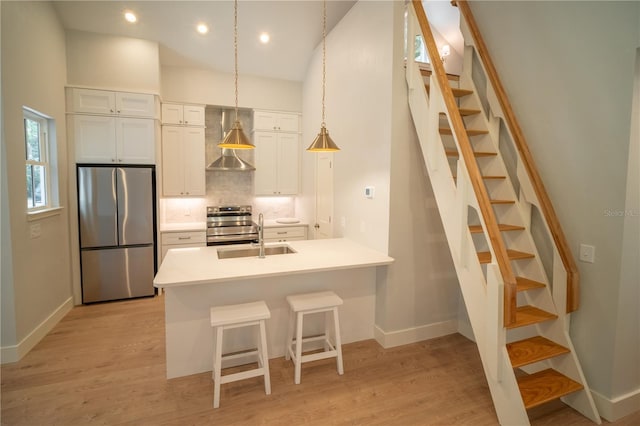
295, 27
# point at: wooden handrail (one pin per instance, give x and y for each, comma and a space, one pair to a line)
495, 239
573, 278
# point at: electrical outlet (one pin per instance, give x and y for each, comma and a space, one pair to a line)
35, 231
587, 253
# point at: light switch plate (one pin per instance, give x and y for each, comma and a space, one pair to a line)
587, 253
369, 191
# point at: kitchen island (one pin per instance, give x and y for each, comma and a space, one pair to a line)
195, 279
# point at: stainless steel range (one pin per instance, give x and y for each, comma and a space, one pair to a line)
230, 225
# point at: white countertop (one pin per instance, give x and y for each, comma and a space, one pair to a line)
190, 266
272, 223
183, 226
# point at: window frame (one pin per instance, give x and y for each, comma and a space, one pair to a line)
44, 141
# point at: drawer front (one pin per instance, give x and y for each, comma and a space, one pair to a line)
193, 237
282, 233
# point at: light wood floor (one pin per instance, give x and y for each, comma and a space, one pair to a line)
104, 365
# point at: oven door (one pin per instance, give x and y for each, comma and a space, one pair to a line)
225, 235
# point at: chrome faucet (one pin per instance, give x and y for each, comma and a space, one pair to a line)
261, 235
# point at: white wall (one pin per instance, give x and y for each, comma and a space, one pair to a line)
194, 85
421, 293
368, 118
112, 62
358, 110
568, 68
33, 75
627, 340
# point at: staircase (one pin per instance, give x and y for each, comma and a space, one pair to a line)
517, 276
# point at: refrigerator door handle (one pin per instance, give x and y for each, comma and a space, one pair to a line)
135, 206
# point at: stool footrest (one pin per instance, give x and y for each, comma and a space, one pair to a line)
318, 355
240, 354
242, 375
331, 353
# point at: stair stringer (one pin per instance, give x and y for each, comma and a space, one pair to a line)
553, 297
482, 297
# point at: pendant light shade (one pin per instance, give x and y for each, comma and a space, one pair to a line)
322, 142
236, 139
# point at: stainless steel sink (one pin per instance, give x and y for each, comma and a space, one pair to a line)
232, 253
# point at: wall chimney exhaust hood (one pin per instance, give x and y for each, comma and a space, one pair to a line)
229, 160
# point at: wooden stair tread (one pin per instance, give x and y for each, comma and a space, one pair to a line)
545, 386
458, 93
477, 153
470, 132
467, 112
476, 229
485, 256
451, 77
527, 315
486, 177
525, 284
532, 350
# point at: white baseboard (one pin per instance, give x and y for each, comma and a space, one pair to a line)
16, 352
618, 407
414, 334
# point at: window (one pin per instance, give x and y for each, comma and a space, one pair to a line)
38, 147
420, 50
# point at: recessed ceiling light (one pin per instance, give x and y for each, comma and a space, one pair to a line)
130, 16
202, 28
264, 38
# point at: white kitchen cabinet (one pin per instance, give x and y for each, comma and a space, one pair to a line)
178, 114
277, 161
276, 121
169, 240
105, 102
285, 233
183, 161
107, 139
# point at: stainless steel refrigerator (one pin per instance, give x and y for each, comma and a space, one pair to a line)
116, 209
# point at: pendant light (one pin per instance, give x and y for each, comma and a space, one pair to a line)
322, 142
236, 139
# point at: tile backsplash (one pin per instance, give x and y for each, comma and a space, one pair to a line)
225, 187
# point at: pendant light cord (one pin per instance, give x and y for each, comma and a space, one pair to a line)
324, 55
235, 50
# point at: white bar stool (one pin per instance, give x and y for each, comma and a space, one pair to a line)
234, 316
311, 303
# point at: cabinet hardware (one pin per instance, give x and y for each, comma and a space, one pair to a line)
184, 238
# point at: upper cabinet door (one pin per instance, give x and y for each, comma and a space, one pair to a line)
105, 102
193, 115
276, 121
265, 120
172, 161
135, 104
288, 123
135, 140
194, 161
95, 139
94, 101
172, 114
266, 162
288, 163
